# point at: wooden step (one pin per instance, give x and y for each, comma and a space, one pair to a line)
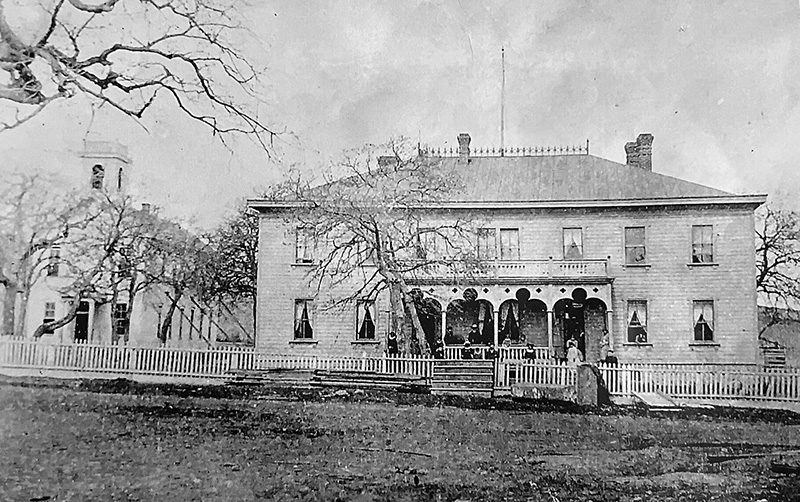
655, 401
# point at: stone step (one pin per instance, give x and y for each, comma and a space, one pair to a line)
463, 378
465, 371
463, 383
461, 391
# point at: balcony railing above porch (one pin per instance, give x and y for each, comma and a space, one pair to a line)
517, 269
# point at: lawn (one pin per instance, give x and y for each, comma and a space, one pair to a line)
64, 441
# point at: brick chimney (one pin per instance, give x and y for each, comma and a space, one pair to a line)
640, 153
644, 146
463, 145
630, 153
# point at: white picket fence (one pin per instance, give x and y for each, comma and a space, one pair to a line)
188, 363
680, 381
709, 382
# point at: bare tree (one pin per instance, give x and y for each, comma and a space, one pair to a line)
777, 260
35, 220
88, 253
234, 249
129, 54
373, 232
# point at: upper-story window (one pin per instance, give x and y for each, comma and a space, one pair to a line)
304, 245
52, 262
702, 244
703, 320
509, 244
635, 251
428, 246
98, 173
119, 180
487, 244
573, 243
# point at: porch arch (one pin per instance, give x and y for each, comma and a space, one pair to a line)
462, 314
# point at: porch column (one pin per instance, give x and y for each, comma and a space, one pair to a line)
444, 323
496, 328
610, 328
90, 323
550, 333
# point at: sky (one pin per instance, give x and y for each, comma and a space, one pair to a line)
716, 83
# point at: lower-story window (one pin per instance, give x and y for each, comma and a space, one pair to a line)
120, 323
49, 315
703, 320
637, 321
303, 329
365, 320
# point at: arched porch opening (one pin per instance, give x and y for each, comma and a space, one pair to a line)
429, 311
462, 315
533, 322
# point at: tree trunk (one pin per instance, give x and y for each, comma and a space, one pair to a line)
71, 314
399, 327
173, 304
9, 309
113, 313
129, 310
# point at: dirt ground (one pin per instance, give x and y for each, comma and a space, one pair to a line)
115, 440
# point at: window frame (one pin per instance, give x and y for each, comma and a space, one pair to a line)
486, 240
53, 261
512, 231
359, 319
564, 243
49, 318
711, 244
626, 246
120, 321
309, 305
307, 235
703, 340
628, 304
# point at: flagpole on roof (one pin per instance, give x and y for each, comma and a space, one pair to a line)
502, 101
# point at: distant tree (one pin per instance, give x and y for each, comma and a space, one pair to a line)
88, 253
777, 264
372, 233
35, 221
234, 246
130, 54
179, 263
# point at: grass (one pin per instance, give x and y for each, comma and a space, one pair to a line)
121, 441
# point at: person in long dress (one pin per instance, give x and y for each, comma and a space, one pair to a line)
574, 355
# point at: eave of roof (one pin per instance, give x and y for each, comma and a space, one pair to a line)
751, 201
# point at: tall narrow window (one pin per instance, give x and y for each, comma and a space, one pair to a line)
635, 252
573, 243
487, 244
52, 262
119, 180
303, 329
703, 320
49, 315
509, 244
637, 321
428, 244
120, 323
304, 245
98, 173
365, 320
702, 244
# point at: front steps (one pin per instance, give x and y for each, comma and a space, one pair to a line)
469, 377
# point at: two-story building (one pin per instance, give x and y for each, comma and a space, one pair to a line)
615, 256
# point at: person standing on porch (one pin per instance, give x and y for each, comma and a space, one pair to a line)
530, 353
474, 335
391, 344
574, 355
467, 352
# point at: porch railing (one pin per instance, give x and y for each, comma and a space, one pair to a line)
456, 352
517, 269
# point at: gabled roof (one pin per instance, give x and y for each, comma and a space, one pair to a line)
565, 178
